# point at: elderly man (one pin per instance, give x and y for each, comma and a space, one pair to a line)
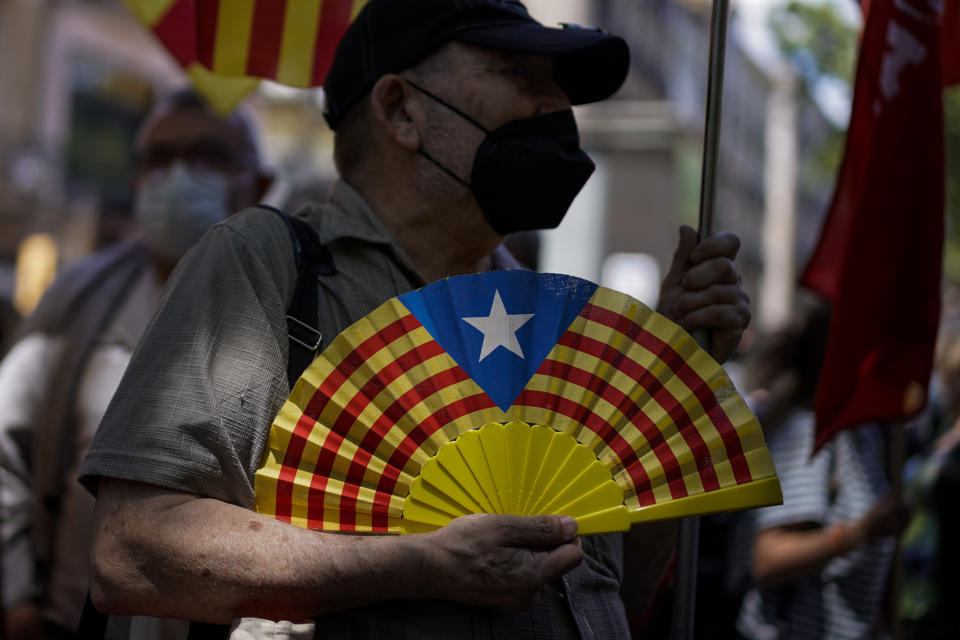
194, 169
453, 128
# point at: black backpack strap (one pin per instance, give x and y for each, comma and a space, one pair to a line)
312, 260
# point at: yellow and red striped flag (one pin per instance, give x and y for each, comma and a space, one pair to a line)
226, 46
429, 366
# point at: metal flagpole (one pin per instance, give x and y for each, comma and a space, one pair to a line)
711, 129
688, 540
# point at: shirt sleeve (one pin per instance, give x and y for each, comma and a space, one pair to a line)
195, 405
805, 481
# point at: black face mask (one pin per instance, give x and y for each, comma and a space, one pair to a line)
527, 172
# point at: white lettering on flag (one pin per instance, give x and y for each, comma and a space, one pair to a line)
905, 50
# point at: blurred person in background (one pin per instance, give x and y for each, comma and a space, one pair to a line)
194, 168
929, 553
8, 322
821, 560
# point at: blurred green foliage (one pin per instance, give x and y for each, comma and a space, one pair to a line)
819, 43
816, 39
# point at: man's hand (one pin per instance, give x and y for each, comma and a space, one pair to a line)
702, 290
499, 561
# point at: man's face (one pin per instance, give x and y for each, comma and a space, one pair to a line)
490, 86
496, 87
204, 142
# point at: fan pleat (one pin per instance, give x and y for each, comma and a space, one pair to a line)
451, 464
516, 444
461, 489
584, 485
534, 463
436, 496
578, 485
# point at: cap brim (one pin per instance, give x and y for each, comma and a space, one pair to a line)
590, 65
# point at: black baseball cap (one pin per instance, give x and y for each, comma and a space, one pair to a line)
392, 35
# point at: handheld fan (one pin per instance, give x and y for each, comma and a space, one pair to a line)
511, 392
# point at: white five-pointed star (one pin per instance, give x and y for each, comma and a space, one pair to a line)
499, 328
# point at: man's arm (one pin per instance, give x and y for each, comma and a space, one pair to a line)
165, 553
787, 554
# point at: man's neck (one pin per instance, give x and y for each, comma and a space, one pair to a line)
434, 237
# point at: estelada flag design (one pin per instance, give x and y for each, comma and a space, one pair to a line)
427, 367
226, 46
879, 257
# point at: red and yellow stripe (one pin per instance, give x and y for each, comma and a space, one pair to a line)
385, 396
362, 421
615, 380
226, 45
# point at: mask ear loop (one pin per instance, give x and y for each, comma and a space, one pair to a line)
460, 113
444, 169
448, 106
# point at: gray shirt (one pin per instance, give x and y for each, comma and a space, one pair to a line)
195, 406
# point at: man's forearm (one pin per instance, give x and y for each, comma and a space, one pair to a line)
166, 554
163, 553
782, 555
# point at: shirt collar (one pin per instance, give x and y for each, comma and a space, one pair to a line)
349, 216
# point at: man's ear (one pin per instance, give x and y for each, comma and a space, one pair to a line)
396, 112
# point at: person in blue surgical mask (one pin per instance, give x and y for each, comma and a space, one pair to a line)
194, 169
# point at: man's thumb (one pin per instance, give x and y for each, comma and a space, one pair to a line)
538, 531
685, 246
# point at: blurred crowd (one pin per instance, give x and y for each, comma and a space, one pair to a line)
65, 360
862, 545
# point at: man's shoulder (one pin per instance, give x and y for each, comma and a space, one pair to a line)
264, 226
254, 248
261, 224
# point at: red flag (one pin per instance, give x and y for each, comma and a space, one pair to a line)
949, 39
951, 42
879, 257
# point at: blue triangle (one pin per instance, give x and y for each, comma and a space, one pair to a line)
554, 300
